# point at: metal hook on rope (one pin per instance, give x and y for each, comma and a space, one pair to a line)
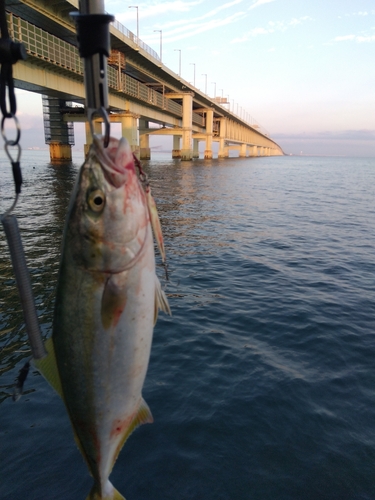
91, 119
92, 24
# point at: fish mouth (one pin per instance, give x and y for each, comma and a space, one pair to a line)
116, 160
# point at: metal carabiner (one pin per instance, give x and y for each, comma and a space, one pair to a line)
16, 168
102, 112
18, 130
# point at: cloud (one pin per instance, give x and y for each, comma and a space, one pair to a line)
155, 8
258, 3
347, 135
189, 27
343, 38
355, 38
195, 28
361, 13
272, 27
181, 22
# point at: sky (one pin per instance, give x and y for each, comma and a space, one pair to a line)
304, 69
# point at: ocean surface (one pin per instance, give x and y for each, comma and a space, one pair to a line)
262, 383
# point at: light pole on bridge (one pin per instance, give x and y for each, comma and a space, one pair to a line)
214, 83
161, 42
194, 73
136, 7
179, 63
205, 86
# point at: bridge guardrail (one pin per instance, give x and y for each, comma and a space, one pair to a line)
45, 46
53, 50
121, 28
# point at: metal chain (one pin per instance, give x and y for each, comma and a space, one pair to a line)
10, 53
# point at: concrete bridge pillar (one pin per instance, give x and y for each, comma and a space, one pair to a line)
223, 150
129, 130
144, 141
176, 151
243, 151
58, 133
187, 126
195, 148
209, 132
254, 151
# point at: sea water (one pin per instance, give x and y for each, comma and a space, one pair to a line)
262, 383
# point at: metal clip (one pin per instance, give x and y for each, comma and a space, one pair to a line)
92, 25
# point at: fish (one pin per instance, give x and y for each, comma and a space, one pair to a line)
107, 301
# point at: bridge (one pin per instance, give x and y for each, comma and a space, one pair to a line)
145, 96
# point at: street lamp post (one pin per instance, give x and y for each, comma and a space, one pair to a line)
205, 86
194, 73
161, 42
136, 7
214, 83
179, 64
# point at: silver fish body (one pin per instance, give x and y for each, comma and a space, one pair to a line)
106, 305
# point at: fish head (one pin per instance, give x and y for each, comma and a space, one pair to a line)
108, 218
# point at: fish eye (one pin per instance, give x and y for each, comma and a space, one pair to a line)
96, 200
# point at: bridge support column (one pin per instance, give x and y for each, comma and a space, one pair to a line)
223, 150
187, 126
254, 151
243, 151
195, 148
144, 141
60, 152
209, 132
176, 151
58, 133
129, 130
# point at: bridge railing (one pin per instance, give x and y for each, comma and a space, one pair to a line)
135, 39
51, 49
43, 45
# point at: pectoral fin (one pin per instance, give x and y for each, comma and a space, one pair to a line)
113, 302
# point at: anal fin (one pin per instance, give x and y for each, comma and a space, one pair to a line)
161, 301
143, 416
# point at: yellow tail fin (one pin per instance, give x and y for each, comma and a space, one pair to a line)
108, 493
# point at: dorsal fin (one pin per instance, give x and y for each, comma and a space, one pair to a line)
47, 366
